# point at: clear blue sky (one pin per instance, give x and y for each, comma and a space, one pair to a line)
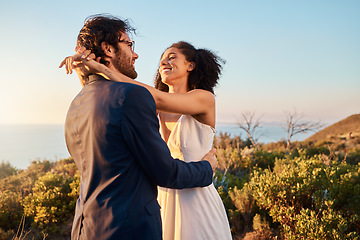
280, 54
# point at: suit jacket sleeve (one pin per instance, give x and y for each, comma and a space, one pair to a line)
140, 129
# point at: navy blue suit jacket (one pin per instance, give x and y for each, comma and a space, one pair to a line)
112, 133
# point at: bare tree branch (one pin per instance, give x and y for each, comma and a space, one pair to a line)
250, 125
296, 124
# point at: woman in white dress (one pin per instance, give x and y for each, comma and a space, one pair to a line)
185, 102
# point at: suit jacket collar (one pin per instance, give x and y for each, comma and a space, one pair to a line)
94, 77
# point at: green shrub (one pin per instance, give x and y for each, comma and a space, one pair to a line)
6, 169
327, 224
353, 158
244, 202
51, 202
302, 193
316, 150
24, 180
223, 141
260, 224
11, 210
266, 159
6, 234
46, 193
224, 185
66, 166
261, 230
228, 159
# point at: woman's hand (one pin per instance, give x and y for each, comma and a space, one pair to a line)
82, 61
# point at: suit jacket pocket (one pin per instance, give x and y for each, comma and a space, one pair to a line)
152, 207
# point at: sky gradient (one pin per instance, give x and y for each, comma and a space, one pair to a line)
280, 55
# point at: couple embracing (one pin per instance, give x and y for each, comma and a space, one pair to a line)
144, 153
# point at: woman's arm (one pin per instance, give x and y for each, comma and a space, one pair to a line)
194, 102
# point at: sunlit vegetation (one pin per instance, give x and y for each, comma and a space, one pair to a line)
39, 202
310, 191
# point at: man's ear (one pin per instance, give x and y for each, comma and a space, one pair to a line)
107, 48
191, 66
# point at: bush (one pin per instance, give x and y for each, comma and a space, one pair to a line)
353, 158
244, 202
24, 180
6, 169
11, 210
309, 192
224, 185
329, 224
261, 230
52, 201
266, 159
228, 159
5, 235
313, 150
303, 193
46, 192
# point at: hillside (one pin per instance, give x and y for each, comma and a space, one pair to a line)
348, 128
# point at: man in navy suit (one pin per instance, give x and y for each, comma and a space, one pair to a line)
112, 133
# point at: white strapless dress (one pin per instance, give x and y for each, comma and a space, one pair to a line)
196, 213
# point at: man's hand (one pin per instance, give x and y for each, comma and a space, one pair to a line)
210, 157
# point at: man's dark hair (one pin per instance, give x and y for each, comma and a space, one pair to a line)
207, 69
102, 28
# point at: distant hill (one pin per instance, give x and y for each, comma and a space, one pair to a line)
339, 130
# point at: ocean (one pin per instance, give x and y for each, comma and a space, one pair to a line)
22, 144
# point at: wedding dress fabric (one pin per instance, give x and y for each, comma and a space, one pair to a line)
196, 213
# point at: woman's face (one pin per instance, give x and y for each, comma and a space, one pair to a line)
174, 67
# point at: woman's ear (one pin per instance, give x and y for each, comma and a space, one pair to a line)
191, 66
